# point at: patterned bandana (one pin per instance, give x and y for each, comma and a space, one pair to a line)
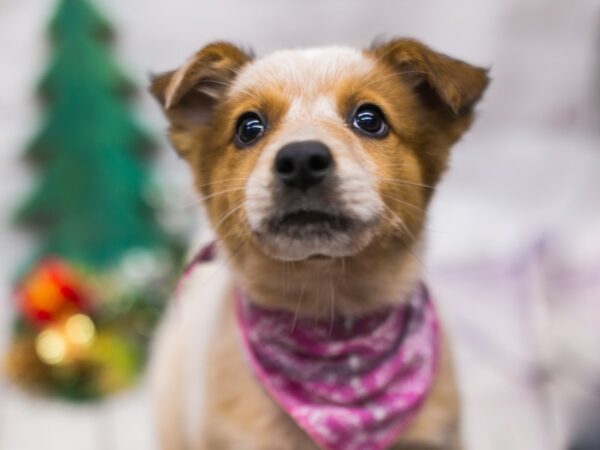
349, 384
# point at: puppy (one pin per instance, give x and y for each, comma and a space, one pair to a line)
305, 324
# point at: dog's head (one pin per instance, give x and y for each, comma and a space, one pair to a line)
306, 154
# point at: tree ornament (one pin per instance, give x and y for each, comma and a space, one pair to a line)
51, 291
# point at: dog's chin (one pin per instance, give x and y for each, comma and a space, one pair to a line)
313, 235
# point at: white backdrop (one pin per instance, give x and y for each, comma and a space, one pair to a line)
534, 140
528, 172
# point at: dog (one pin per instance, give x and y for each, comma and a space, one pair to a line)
305, 323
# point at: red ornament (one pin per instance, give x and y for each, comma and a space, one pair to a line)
51, 291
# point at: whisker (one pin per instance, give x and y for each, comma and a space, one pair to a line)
318, 302
397, 165
402, 202
298, 304
397, 181
399, 224
227, 215
226, 180
216, 194
286, 283
199, 200
332, 312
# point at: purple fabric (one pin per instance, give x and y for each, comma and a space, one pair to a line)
349, 384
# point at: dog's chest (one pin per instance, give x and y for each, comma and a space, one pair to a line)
236, 384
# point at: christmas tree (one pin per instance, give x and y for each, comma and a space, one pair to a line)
89, 295
91, 203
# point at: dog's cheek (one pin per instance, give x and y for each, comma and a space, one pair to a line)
228, 175
401, 186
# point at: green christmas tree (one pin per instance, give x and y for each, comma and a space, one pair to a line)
89, 296
91, 203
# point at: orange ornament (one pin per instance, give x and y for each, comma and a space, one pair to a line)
51, 291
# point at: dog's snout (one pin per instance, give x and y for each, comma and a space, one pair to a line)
303, 164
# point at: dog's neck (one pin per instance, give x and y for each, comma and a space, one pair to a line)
382, 275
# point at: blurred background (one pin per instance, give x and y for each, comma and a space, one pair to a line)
514, 233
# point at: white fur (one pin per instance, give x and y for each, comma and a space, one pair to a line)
180, 352
303, 69
306, 75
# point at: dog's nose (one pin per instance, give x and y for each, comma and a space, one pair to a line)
303, 164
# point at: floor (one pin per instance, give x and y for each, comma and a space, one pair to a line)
26, 423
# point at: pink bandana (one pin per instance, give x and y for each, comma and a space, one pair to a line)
349, 384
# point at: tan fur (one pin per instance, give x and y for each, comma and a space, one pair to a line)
428, 101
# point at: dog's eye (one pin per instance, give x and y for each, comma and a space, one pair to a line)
369, 120
250, 127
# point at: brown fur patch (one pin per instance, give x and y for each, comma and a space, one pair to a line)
190, 94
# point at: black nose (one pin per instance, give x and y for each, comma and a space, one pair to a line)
303, 164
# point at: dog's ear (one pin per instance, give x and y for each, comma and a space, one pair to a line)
441, 81
189, 94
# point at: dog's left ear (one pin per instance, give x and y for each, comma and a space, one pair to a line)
189, 94
439, 80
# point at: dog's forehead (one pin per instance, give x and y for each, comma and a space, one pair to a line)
304, 70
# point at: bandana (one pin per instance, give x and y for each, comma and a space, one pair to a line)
350, 384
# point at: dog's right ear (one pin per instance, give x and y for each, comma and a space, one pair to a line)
188, 95
442, 81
